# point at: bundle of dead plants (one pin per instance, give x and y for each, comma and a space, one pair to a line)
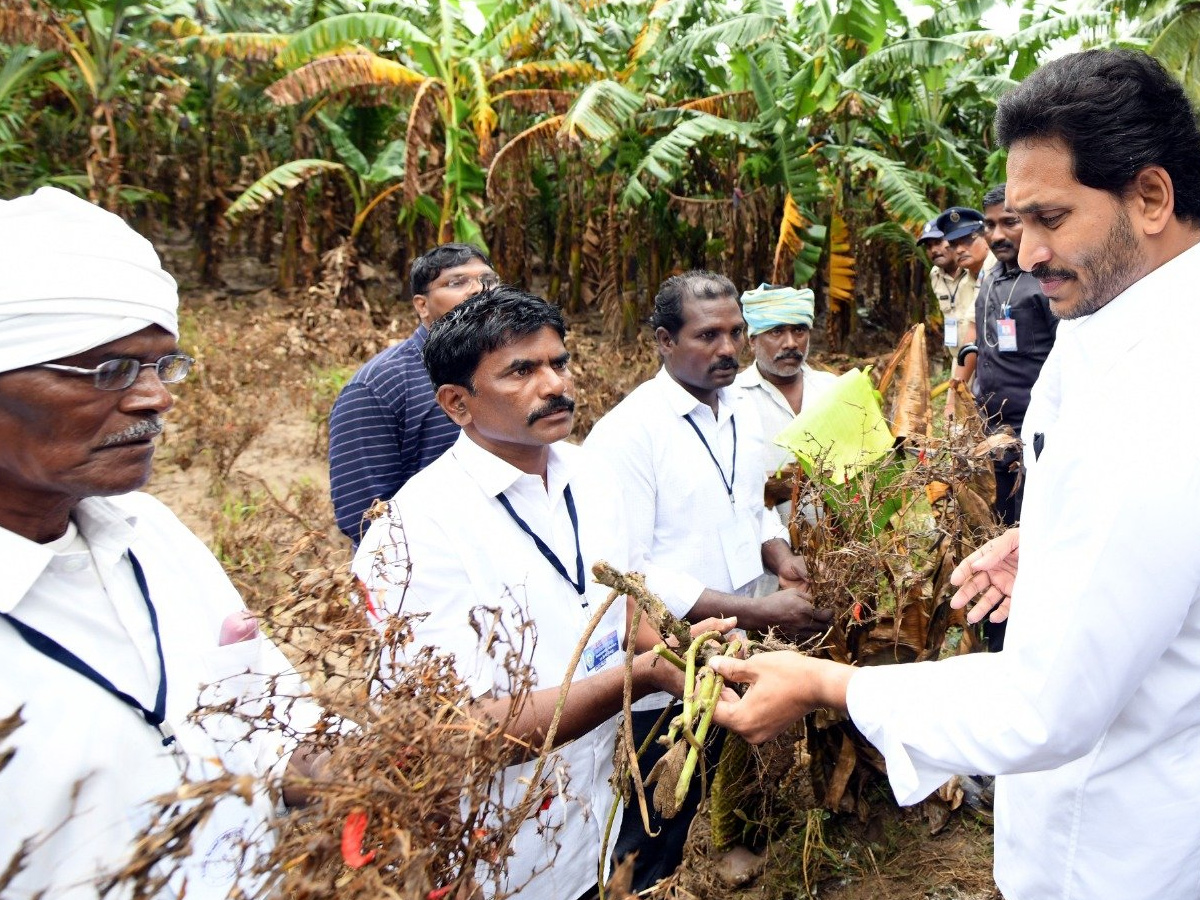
403, 800
880, 541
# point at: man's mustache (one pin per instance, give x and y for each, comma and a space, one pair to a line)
725, 362
790, 354
561, 403
1045, 273
1002, 245
144, 430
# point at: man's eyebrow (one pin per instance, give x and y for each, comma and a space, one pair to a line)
1031, 208
518, 364
533, 363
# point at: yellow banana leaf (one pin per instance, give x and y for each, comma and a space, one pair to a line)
842, 431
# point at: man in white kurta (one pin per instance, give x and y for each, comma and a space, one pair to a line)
687, 450
780, 381
113, 617
85, 765
512, 518
1091, 716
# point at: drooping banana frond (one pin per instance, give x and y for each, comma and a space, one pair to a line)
899, 187
790, 241
348, 30
601, 112
666, 158
417, 137
482, 116
247, 46
1040, 34
277, 182
742, 31
892, 233
737, 105
545, 74
839, 270
660, 15
544, 136
336, 73
536, 101
1177, 44
912, 55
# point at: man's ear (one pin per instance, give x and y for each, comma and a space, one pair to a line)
1153, 196
663, 339
452, 399
421, 305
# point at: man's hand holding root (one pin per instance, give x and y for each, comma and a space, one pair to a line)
782, 688
988, 574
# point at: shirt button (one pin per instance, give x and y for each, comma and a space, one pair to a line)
75, 562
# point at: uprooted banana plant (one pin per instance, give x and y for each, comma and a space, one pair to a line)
892, 506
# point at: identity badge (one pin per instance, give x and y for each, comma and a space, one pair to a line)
1006, 335
600, 651
951, 333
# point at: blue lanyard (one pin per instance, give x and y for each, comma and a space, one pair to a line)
728, 482
576, 582
60, 654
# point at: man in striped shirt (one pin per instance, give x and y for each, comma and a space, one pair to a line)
385, 425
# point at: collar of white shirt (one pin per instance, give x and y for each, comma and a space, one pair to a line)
495, 476
108, 530
682, 402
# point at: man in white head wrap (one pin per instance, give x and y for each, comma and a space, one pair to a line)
779, 322
111, 612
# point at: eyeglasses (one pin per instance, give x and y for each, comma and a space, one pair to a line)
119, 374
485, 282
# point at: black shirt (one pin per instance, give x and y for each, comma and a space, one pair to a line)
1003, 380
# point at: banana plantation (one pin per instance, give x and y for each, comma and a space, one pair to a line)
593, 146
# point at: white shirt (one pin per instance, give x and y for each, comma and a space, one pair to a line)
1092, 712
676, 498
466, 552
76, 733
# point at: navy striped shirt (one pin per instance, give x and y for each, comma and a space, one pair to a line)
385, 427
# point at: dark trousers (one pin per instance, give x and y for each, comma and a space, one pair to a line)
1010, 488
660, 855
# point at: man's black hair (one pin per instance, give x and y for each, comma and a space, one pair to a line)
426, 268
1118, 111
491, 319
995, 196
698, 285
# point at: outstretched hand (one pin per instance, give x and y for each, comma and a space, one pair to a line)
782, 688
988, 574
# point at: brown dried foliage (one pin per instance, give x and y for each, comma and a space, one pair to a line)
341, 72
23, 22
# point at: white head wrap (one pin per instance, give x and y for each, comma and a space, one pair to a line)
74, 277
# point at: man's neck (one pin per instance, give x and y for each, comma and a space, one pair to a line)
975, 270
532, 459
710, 397
791, 386
39, 521
951, 273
